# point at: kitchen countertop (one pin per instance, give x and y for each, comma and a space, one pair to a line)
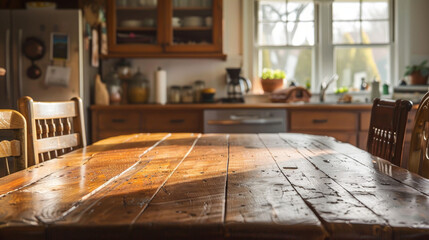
295, 106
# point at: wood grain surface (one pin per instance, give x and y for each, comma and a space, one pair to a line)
215, 186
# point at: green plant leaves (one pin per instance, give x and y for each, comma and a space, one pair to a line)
268, 73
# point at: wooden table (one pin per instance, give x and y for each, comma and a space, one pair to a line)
239, 186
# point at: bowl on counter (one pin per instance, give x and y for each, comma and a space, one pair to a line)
207, 95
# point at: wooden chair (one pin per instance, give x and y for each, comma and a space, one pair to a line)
13, 123
54, 128
387, 129
418, 161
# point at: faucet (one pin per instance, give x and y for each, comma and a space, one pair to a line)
324, 86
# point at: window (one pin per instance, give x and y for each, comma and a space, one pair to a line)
314, 39
285, 37
361, 38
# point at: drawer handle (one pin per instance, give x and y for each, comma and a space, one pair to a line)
319, 121
259, 121
118, 120
177, 120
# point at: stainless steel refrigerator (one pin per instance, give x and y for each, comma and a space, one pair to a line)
59, 32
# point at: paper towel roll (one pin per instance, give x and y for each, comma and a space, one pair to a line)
161, 86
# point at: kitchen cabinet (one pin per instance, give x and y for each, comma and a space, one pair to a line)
108, 122
342, 125
174, 121
165, 28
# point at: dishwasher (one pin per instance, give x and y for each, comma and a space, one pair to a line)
244, 120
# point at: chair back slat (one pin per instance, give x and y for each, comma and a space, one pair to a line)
60, 142
55, 128
418, 161
387, 129
13, 145
49, 110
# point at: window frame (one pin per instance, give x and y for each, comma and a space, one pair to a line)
323, 62
288, 46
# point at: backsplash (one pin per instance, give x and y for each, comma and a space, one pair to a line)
183, 71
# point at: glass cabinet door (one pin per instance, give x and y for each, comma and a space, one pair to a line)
194, 25
165, 28
136, 25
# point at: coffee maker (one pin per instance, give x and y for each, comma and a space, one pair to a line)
237, 86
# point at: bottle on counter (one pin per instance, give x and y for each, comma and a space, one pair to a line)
375, 89
138, 88
363, 85
175, 94
160, 86
114, 88
187, 94
199, 85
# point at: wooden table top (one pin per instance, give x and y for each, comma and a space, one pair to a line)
215, 186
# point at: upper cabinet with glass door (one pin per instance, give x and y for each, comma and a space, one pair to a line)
134, 26
165, 28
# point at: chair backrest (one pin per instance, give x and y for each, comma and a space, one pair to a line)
13, 123
418, 161
387, 129
54, 128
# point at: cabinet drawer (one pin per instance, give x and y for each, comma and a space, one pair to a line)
124, 121
308, 120
174, 121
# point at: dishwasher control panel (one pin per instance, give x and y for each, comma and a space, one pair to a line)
244, 120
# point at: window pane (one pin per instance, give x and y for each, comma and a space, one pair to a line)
272, 34
272, 11
346, 32
300, 11
375, 32
375, 9
300, 33
354, 63
346, 10
297, 63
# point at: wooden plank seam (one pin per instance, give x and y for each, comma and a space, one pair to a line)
334, 180
387, 172
226, 181
42, 178
166, 179
74, 207
309, 205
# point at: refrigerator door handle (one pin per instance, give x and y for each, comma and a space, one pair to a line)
8, 72
19, 82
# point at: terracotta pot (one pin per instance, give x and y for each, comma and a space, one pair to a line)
269, 85
418, 79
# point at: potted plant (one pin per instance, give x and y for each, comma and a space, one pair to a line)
418, 73
272, 79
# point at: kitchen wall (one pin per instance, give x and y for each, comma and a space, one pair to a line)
419, 30
212, 71
411, 34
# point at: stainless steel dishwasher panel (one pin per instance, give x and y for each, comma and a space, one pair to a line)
244, 120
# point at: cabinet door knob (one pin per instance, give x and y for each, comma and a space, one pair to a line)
319, 121
118, 120
177, 120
